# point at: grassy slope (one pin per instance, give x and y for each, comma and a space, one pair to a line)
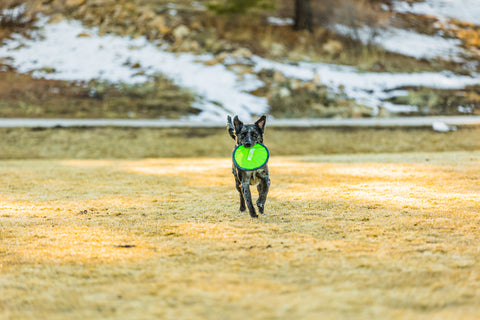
372, 236
23, 96
214, 34
131, 143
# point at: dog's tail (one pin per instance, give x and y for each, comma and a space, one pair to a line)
230, 127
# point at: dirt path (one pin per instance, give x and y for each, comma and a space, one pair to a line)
360, 122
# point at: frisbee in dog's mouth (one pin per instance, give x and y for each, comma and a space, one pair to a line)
250, 158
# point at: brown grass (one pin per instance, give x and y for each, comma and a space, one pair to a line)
345, 237
26, 97
138, 143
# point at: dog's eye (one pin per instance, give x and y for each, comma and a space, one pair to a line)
254, 135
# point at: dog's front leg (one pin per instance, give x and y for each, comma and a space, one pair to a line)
248, 198
238, 186
242, 198
262, 188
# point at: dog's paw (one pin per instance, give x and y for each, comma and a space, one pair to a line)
260, 209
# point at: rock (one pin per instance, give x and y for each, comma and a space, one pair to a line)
221, 56
384, 113
240, 69
56, 18
129, 6
195, 25
211, 62
284, 92
440, 126
242, 53
277, 50
145, 14
218, 59
360, 111
310, 86
319, 107
378, 67
90, 18
74, 3
181, 32
295, 84
194, 46
83, 35
332, 47
158, 23
279, 77
188, 46
102, 2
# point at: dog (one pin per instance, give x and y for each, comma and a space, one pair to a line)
248, 135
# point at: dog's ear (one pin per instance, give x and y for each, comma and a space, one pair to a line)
230, 128
237, 124
262, 122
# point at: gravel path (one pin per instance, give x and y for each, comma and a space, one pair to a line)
436, 122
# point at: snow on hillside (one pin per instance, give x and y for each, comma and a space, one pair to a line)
79, 54
410, 43
76, 53
417, 45
463, 10
368, 88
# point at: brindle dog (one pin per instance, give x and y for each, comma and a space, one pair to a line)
248, 135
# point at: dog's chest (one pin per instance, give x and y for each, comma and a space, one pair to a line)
256, 176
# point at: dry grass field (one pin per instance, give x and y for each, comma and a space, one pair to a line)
366, 236
140, 143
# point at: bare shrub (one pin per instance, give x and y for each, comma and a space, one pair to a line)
322, 11
364, 19
15, 14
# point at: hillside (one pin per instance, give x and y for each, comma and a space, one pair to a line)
151, 59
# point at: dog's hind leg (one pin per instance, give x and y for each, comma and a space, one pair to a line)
262, 188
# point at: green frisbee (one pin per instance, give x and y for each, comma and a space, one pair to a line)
250, 158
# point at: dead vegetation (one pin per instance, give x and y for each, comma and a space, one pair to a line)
369, 236
16, 16
138, 143
24, 96
185, 26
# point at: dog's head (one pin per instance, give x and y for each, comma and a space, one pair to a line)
249, 134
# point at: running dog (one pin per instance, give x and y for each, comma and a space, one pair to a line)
248, 135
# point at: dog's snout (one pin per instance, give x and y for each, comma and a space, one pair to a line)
248, 144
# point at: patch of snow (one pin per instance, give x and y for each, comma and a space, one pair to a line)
409, 43
463, 109
15, 13
198, 5
105, 58
280, 21
441, 126
463, 10
418, 45
367, 88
